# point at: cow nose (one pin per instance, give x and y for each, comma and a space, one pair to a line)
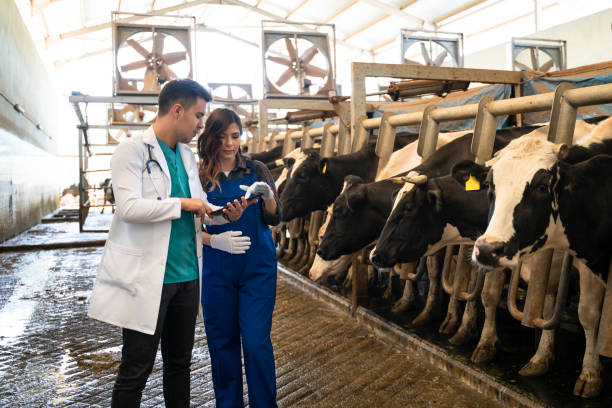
488, 253
377, 258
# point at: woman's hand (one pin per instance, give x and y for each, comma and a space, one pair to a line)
234, 210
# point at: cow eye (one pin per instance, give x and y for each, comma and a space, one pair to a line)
543, 188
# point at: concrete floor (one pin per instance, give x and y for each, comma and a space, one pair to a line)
51, 354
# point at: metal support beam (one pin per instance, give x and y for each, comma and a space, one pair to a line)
385, 141
361, 70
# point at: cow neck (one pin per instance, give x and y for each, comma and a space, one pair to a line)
466, 210
585, 222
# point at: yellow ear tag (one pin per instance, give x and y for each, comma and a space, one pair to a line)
324, 168
472, 184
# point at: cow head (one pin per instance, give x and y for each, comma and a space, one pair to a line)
414, 223
308, 186
522, 204
355, 220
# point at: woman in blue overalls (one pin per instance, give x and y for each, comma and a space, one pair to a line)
238, 285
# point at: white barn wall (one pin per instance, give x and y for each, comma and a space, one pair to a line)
589, 40
28, 155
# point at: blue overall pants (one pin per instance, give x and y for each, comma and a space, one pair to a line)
238, 295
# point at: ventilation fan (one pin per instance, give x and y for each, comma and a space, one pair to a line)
128, 115
432, 48
297, 64
226, 93
146, 56
538, 55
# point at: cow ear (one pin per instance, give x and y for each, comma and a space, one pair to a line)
469, 174
435, 199
356, 196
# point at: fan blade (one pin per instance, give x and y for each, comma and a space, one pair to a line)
279, 60
315, 71
174, 57
150, 80
425, 54
241, 111
411, 62
158, 43
287, 75
521, 65
309, 54
534, 60
139, 48
125, 110
134, 65
150, 108
440, 58
290, 49
165, 73
547, 65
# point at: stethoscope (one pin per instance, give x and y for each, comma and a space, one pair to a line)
148, 164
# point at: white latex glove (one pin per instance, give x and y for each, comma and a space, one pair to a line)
231, 241
259, 187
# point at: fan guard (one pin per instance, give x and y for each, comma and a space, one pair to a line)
538, 55
146, 56
297, 64
435, 48
234, 92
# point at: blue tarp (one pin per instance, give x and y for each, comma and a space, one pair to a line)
471, 96
539, 85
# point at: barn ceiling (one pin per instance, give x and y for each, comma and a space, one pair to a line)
68, 31
362, 26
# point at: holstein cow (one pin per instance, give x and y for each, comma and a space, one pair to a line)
334, 271
543, 195
360, 212
267, 156
440, 212
315, 182
109, 196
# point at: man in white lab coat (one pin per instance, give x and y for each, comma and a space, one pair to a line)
148, 282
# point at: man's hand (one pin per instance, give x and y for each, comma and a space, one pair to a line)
195, 205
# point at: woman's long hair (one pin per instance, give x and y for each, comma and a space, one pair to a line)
209, 144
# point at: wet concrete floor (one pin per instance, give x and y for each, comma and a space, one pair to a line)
51, 354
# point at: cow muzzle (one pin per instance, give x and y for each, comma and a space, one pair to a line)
488, 252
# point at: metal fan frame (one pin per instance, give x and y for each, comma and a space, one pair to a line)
122, 31
320, 39
450, 41
555, 49
247, 88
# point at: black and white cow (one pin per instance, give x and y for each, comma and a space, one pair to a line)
109, 196
437, 212
543, 195
315, 182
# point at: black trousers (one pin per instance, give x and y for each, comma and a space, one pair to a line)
178, 311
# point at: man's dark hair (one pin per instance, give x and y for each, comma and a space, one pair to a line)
184, 91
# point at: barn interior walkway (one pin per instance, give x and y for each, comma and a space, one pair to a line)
51, 354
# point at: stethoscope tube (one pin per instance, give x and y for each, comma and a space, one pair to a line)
147, 166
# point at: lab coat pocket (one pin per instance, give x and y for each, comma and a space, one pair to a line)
153, 185
121, 266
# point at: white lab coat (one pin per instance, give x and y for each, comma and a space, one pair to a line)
128, 285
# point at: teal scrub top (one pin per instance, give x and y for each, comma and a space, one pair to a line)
182, 261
